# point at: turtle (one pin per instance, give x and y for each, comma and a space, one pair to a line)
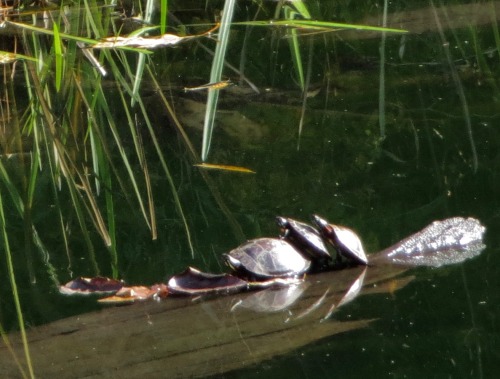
304, 237
308, 241
270, 262
344, 240
267, 259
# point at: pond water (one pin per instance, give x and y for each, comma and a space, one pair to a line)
439, 158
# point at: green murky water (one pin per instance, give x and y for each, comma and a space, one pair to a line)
441, 117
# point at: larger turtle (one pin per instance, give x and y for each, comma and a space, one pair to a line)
267, 258
344, 240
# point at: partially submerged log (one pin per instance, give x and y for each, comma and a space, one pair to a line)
185, 337
193, 337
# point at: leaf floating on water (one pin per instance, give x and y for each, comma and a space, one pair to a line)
212, 166
87, 286
135, 293
100, 285
146, 42
210, 86
195, 282
117, 300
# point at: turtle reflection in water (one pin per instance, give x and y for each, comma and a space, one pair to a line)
266, 262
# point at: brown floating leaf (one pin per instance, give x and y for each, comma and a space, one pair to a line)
212, 166
195, 282
117, 300
146, 42
86, 286
160, 290
135, 293
210, 86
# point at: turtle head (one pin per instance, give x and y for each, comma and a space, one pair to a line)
284, 225
232, 262
321, 223
282, 222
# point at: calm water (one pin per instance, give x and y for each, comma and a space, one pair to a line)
441, 116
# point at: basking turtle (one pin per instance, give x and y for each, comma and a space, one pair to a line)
345, 241
267, 258
266, 262
305, 238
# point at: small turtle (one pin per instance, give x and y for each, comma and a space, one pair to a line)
267, 258
345, 241
304, 237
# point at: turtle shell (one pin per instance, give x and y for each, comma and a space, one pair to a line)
304, 237
345, 241
266, 258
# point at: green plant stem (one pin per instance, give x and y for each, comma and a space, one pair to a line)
15, 293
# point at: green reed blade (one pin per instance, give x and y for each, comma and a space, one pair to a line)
5, 339
13, 284
58, 56
295, 47
163, 16
318, 25
16, 198
168, 175
381, 86
216, 76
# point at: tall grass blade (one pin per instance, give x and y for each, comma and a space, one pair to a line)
16, 198
301, 8
295, 47
13, 284
163, 16
460, 88
58, 56
50, 32
148, 16
5, 339
381, 85
169, 177
494, 24
296, 57
236, 228
305, 90
318, 25
216, 76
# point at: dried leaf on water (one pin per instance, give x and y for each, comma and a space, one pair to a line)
87, 286
212, 166
100, 285
146, 42
195, 282
135, 293
210, 86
